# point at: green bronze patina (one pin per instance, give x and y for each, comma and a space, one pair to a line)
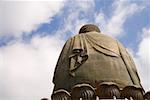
92, 57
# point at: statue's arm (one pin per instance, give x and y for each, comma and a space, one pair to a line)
63, 57
133, 65
130, 65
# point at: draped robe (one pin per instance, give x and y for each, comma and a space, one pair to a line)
92, 58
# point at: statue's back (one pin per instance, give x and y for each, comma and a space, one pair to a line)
94, 58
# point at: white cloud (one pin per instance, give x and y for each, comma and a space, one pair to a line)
19, 17
121, 10
143, 58
26, 70
73, 22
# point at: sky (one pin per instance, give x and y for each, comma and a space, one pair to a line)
32, 34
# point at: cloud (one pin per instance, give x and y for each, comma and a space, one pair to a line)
143, 58
121, 11
26, 70
76, 16
23, 17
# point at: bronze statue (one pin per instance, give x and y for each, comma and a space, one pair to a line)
93, 58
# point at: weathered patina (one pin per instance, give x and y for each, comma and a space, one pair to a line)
92, 57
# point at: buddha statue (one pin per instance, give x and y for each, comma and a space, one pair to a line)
92, 57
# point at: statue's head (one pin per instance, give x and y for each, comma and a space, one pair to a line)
89, 28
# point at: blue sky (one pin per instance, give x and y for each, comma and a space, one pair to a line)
32, 34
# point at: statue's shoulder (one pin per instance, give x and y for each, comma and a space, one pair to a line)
101, 36
95, 35
103, 41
